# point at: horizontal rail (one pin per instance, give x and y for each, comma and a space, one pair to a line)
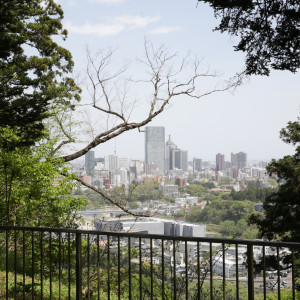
158, 236
60, 263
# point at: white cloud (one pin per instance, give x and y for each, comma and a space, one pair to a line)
96, 29
113, 27
164, 30
137, 21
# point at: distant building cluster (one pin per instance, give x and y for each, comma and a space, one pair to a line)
169, 166
152, 226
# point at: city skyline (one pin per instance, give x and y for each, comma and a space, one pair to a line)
227, 156
239, 160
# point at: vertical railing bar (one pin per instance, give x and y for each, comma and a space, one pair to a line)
69, 265
23, 264
174, 267
50, 266
129, 267
119, 269
293, 274
42, 263
32, 265
140, 255
224, 271
88, 266
15, 261
163, 268
278, 273
264, 273
237, 271
6, 262
211, 270
198, 269
64, 249
151, 266
108, 267
186, 271
250, 273
98, 266
59, 265
78, 267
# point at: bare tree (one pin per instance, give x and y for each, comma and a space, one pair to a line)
168, 77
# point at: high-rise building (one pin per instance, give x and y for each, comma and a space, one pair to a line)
155, 147
89, 163
239, 160
124, 162
135, 167
111, 162
184, 160
179, 159
220, 162
169, 147
197, 164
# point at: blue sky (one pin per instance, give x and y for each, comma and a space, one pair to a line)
248, 120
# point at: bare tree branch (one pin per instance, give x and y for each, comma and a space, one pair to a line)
101, 192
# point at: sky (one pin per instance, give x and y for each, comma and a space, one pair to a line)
248, 119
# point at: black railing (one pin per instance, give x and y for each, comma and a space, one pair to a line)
47, 263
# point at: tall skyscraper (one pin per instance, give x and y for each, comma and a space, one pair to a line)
89, 163
179, 160
239, 160
169, 147
155, 147
184, 160
220, 162
197, 164
111, 162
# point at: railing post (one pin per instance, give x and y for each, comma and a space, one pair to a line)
78, 267
250, 273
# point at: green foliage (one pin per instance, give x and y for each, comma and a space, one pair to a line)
272, 182
252, 194
253, 184
180, 213
33, 67
269, 32
33, 193
141, 192
221, 210
241, 229
195, 190
281, 216
225, 180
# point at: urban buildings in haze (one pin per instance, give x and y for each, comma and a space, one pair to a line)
239, 160
89, 163
170, 146
166, 160
220, 162
155, 147
175, 157
197, 164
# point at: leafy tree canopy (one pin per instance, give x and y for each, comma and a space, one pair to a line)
32, 191
252, 194
33, 67
221, 210
281, 216
269, 32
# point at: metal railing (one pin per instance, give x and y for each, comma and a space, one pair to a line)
47, 263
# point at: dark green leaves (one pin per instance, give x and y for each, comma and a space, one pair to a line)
33, 68
268, 31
